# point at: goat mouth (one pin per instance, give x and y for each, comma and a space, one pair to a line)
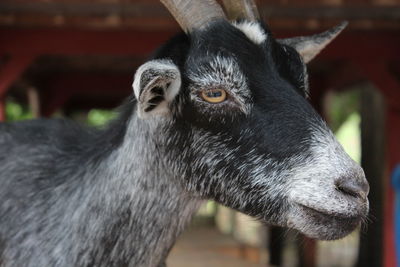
333, 215
323, 225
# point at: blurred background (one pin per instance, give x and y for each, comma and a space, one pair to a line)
76, 59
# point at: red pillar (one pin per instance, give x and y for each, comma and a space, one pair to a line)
308, 252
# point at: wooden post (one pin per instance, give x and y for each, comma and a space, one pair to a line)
372, 161
34, 101
380, 75
276, 242
308, 251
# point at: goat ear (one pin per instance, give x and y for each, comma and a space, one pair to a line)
309, 46
155, 85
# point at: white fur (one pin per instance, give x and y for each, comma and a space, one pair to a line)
313, 185
252, 30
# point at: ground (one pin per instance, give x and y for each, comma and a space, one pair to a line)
205, 246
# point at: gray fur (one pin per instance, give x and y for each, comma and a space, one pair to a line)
120, 195
70, 196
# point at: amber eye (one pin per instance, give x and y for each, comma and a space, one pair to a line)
214, 95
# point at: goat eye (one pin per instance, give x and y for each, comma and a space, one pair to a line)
214, 95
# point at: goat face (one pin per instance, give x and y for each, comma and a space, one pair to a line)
238, 129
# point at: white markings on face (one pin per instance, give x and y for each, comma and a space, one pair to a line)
313, 184
252, 30
222, 73
312, 189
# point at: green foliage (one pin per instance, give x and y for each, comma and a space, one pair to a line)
95, 117
349, 135
99, 117
341, 106
344, 119
16, 112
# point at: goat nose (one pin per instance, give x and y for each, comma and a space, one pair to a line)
355, 186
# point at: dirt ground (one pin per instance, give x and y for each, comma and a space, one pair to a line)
205, 246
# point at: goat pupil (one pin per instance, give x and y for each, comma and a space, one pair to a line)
214, 94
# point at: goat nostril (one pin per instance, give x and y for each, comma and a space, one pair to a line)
353, 188
348, 191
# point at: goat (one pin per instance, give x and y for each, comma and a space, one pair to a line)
220, 112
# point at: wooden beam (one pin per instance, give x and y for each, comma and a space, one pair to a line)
350, 45
155, 9
113, 21
152, 15
331, 12
81, 42
137, 9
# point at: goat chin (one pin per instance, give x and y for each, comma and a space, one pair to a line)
323, 225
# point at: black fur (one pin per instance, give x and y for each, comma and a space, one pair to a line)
53, 170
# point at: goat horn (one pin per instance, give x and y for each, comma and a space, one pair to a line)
194, 14
241, 9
